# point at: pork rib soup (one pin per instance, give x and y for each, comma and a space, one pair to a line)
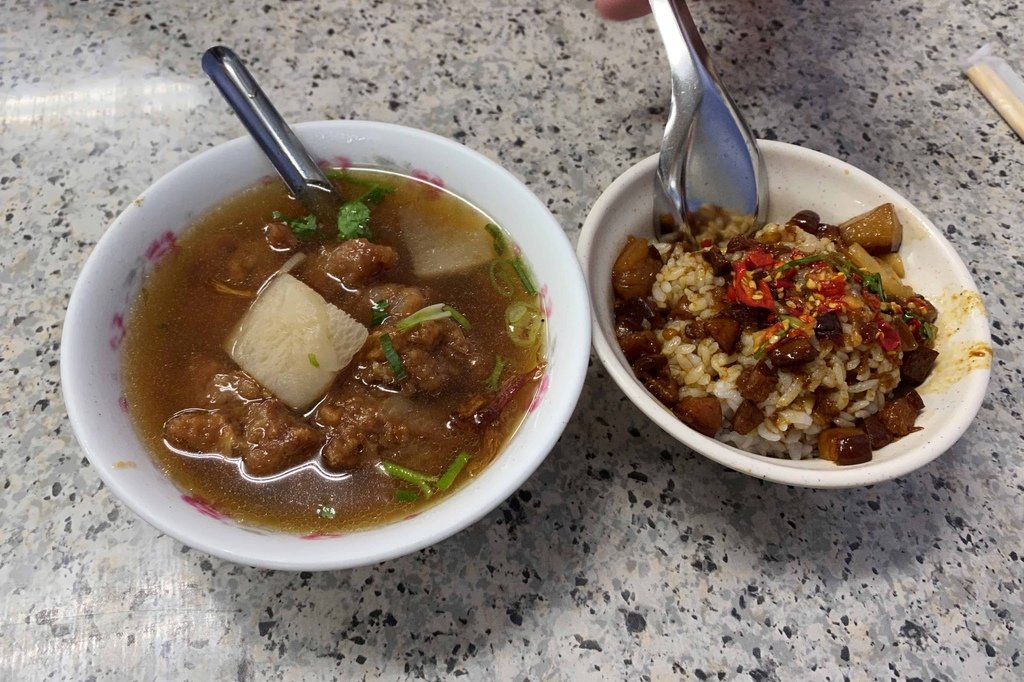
319, 378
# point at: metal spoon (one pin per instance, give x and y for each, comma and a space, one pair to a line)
300, 173
708, 156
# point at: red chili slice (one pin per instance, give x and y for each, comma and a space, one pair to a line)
759, 258
889, 337
832, 288
742, 291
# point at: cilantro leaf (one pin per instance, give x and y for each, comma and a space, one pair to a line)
873, 283
300, 227
376, 194
354, 220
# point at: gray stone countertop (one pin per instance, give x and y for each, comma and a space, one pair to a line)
625, 556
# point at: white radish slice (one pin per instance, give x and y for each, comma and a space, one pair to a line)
445, 249
293, 342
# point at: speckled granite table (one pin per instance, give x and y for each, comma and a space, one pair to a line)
625, 556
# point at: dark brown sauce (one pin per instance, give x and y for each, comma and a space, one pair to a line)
179, 320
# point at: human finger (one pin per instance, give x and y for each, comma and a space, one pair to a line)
622, 10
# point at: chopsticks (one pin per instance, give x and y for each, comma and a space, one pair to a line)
1002, 87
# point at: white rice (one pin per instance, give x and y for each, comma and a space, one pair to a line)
701, 368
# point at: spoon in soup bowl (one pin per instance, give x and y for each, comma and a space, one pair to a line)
303, 177
710, 171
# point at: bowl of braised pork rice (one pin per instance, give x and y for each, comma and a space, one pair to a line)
840, 344
291, 393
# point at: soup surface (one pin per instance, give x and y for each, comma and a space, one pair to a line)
452, 355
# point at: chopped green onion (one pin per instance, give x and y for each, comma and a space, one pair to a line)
392, 357
301, 227
497, 236
842, 265
793, 321
927, 330
515, 312
523, 323
313, 361
431, 312
502, 277
801, 261
379, 312
524, 276
453, 470
406, 474
325, 512
495, 376
457, 316
406, 495
417, 478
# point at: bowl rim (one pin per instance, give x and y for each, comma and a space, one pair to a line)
788, 472
337, 553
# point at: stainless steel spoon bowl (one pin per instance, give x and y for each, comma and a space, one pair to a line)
709, 163
300, 173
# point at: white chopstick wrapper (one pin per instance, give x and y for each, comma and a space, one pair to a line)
1002, 87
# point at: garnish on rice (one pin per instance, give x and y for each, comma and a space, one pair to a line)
805, 335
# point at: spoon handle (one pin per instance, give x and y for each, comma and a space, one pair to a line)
298, 170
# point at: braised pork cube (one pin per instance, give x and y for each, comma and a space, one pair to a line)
825, 407
635, 269
899, 415
725, 331
720, 265
877, 434
844, 446
740, 243
663, 387
631, 314
917, 365
649, 366
792, 351
636, 344
747, 418
756, 383
747, 317
703, 414
829, 328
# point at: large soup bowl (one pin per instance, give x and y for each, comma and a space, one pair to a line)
146, 233
800, 178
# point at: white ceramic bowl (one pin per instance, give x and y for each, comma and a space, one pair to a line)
799, 179
111, 278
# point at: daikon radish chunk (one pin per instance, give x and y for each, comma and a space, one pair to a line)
894, 261
437, 250
891, 282
878, 231
293, 342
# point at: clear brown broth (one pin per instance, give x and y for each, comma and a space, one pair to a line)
179, 317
